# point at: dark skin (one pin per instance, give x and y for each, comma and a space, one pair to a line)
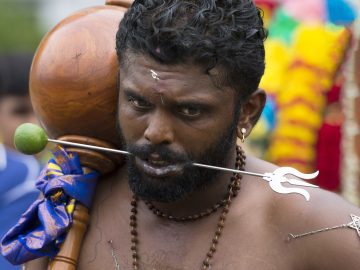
182, 111
259, 220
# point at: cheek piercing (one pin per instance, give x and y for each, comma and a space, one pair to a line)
276, 179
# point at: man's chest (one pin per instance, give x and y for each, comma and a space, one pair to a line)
104, 248
244, 243
105, 257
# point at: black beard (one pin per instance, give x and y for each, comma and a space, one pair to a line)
193, 178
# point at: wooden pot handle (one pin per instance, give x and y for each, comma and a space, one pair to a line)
73, 88
67, 258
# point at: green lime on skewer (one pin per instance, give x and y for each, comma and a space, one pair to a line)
30, 139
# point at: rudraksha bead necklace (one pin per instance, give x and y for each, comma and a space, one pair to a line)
234, 187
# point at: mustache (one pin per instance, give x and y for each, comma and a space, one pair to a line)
167, 155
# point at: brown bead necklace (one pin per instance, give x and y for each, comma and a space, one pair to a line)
234, 187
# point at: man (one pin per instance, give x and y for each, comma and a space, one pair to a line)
17, 172
189, 72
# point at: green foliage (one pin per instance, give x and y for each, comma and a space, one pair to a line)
18, 26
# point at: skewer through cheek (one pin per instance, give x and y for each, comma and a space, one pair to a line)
31, 139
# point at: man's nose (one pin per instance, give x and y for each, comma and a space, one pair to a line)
159, 129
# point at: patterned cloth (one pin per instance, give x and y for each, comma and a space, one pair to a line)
18, 173
42, 228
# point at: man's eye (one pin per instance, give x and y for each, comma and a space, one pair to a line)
140, 104
190, 111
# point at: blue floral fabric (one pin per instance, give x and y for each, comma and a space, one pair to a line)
42, 228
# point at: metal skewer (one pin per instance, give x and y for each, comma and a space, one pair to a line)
105, 149
88, 146
275, 178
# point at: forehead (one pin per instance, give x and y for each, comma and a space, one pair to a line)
137, 72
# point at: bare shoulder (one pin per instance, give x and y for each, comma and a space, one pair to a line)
334, 227
338, 248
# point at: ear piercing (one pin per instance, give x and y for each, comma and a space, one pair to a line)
243, 132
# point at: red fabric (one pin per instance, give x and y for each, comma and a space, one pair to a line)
328, 157
328, 144
271, 4
334, 94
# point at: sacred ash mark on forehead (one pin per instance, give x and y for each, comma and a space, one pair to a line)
154, 75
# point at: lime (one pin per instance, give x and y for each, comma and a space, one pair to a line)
30, 139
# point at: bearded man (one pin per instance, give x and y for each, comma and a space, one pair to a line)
188, 87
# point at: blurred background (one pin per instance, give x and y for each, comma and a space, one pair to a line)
22, 25
310, 122
311, 119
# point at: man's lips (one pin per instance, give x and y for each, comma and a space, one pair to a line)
159, 168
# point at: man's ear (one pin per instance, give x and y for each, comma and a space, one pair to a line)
250, 112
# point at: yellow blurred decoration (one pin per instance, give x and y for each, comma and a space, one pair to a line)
298, 76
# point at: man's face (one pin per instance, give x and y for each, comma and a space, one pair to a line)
170, 116
14, 110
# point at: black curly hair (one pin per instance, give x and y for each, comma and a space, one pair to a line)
228, 34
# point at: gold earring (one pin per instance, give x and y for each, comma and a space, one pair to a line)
243, 132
